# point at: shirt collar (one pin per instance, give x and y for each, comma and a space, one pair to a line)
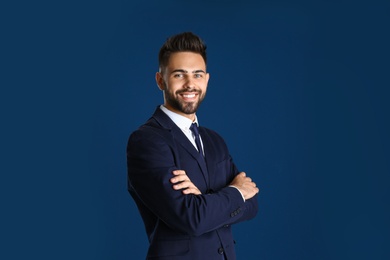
181, 121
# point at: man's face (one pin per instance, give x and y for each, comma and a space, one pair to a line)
184, 82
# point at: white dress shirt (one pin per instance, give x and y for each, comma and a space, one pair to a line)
184, 124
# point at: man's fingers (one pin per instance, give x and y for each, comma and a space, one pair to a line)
182, 182
180, 175
179, 178
182, 185
188, 187
194, 191
178, 172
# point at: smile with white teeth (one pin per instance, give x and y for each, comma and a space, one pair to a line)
189, 95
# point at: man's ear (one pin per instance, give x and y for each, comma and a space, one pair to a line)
207, 77
160, 81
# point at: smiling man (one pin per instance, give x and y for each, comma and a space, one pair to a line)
181, 175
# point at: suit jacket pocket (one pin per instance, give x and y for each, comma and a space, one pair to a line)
160, 248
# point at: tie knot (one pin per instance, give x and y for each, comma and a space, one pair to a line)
194, 129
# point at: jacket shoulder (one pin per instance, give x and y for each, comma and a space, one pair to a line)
149, 131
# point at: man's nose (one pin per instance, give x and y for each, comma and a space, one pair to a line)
189, 83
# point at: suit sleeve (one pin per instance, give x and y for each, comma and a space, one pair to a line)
250, 207
150, 164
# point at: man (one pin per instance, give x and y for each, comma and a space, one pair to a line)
182, 178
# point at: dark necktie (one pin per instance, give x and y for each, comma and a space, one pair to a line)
195, 131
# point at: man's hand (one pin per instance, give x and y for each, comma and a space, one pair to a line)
181, 181
245, 185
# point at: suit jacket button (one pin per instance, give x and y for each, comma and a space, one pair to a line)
220, 250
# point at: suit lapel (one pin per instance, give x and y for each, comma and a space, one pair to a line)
180, 138
209, 153
189, 147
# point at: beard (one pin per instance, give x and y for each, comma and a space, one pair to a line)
185, 107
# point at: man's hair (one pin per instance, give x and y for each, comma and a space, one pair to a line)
182, 42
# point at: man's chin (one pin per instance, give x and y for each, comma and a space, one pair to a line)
189, 108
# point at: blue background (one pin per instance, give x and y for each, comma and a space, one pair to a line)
304, 87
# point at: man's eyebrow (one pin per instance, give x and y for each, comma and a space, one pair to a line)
179, 70
199, 71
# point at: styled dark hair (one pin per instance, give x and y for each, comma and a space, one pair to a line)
182, 42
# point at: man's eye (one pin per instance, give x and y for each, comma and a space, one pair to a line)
198, 75
178, 75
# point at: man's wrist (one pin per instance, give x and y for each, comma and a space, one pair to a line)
238, 191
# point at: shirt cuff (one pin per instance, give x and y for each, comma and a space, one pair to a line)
238, 191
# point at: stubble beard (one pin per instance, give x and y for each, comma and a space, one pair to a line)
185, 107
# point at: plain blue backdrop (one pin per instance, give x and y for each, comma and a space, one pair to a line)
299, 91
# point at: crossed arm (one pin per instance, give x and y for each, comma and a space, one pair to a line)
152, 165
244, 184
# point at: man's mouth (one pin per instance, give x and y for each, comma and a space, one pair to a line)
189, 95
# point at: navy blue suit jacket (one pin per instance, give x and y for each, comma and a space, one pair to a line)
184, 226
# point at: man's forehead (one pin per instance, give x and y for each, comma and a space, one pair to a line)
187, 71
189, 68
